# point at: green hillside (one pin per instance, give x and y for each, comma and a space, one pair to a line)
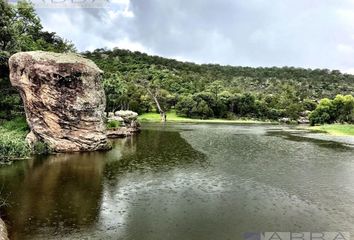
210, 90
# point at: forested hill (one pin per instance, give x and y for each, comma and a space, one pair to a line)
191, 77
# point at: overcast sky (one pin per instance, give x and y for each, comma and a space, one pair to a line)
302, 33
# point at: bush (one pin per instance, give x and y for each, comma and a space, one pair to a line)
113, 124
18, 124
13, 144
230, 116
185, 105
12, 139
41, 148
202, 110
340, 109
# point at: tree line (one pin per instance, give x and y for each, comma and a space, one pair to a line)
214, 91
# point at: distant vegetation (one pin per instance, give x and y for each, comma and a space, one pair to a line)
340, 110
214, 91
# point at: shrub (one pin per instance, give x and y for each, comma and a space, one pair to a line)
18, 124
41, 148
339, 109
12, 144
230, 116
185, 105
202, 110
113, 124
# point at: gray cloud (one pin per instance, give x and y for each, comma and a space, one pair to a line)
316, 33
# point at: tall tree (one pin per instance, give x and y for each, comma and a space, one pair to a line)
152, 80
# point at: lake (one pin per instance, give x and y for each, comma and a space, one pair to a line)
186, 181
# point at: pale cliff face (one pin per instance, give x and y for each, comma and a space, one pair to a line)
63, 98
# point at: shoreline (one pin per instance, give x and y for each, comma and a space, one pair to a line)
173, 118
208, 121
328, 129
331, 129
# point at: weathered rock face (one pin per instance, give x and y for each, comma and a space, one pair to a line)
129, 120
63, 98
122, 132
3, 231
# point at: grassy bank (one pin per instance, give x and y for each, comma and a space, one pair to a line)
12, 140
335, 129
172, 117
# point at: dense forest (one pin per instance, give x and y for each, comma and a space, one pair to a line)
209, 90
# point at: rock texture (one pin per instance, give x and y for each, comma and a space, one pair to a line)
129, 121
3, 231
122, 132
130, 118
63, 98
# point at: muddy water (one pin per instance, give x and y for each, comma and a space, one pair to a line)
204, 181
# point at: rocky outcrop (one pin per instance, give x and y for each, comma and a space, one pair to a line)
303, 120
3, 231
129, 122
304, 117
130, 118
63, 99
284, 120
122, 132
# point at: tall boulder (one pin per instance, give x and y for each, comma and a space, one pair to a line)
63, 99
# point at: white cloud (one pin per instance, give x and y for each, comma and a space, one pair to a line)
347, 15
315, 34
125, 43
123, 2
346, 49
349, 71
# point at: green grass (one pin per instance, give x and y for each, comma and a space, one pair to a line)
335, 129
12, 140
172, 117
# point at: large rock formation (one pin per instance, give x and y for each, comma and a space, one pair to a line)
63, 98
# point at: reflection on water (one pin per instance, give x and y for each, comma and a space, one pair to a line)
184, 182
299, 136
62, 193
